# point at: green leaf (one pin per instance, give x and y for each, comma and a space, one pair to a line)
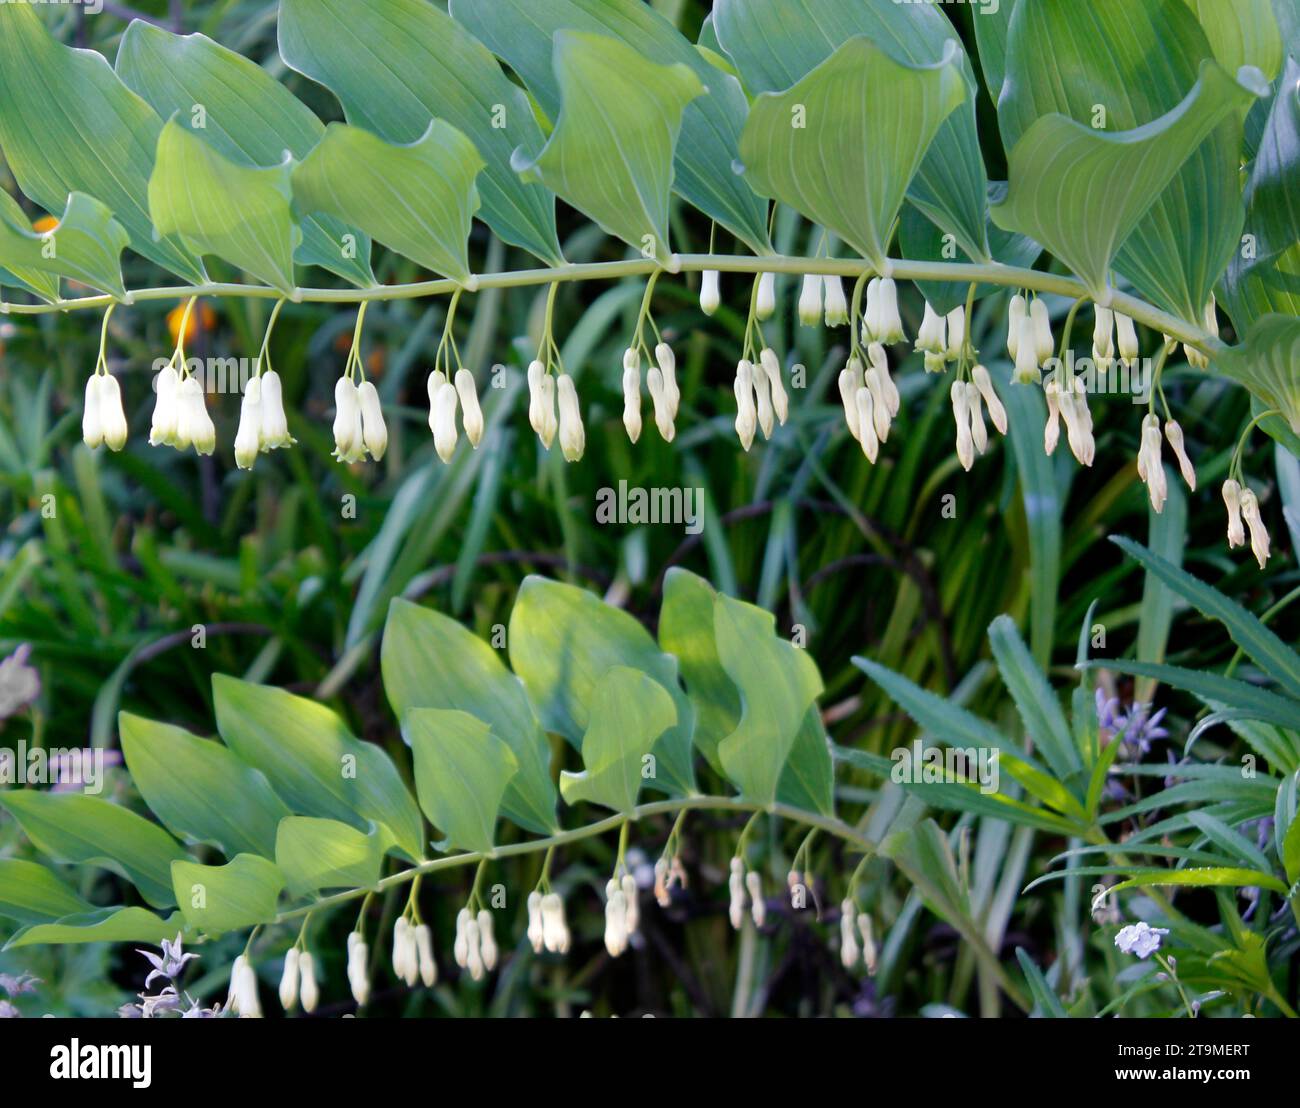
86, 245
85, 830
777, 682
843, 144
199, 789
1203, 877
1168, 537
313, 762
991, 31
563, 639
30, 893
242, 893
808, 779
1045, 998
67, 124
629, 711
462, 771
315, 854
1242, 32
431, 661
396, 65
776, 43
1291, 852
418, 199
215, 206
1186, 237
1272, 204
1226, 838
1269, 652
102, 925
1081, 192
611, 153
1268, 363
247, 117
520, 32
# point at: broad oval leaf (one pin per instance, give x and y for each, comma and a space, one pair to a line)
101, 925
242, 893
314, 854
240, 214
431, 68
629, 711
430, 661
30, 893
1272, 192
417, 199
246, 115
520, 32
1080, 192
1242, 32
611, 153
776, 43
778, 683
563, 639
313, 762
85, 830
39, 281
199, 789
462, 771
842, 145
1268, 363
86, 245
94, 135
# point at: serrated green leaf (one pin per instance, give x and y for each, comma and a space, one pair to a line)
237, 213
30, 893
843, 144
313, 762
520, 32
92, 135
430, 661
462, 771
86, 246
247, 116
85, 830
242, 893
776, 43
199, 789
314, 854
1081, 192
102, 925
611, 153
563, 639
1203, 877
431, 68
777, 683
418, 199
629, 711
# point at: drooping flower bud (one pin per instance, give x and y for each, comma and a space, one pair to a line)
358, 968
550, 424
868, 943
474, 950
275, 426
194, 425
978, 432
1259, 541
632, 902
961, 416
471, 415
616, 933
1126, 338
667, 362
763, 395
1044, 344
772, 368
632, 393
872, 319
1150, 467
867, 423
248, 439
1027, 371
374, 432
555, 929
710, 294
1174, 433
933, 335
956, 320
757, 905
428, 965
92, 426
746, 408
880, 418
308, 990
1232, 499
349, 439
405, 959
654, 380
736, 888
243, 999
1016, 315
573, 436
487, 940
891, 322
162, 430
880, 363
112, 418
444, 421
460, 948
289, 978
849, 952
849, 381
536, 934
536, 420
810, 300
765, 297
1103, 338
837, 304
1052, 432
983, 382
1195, 357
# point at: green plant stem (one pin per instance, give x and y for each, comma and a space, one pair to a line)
992, 273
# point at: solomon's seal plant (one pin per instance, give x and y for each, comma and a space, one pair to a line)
1171, 197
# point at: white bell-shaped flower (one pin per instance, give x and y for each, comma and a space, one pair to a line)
1174, 433
1232, 500
275, 426
654, 380
1103, 338
961, 417
763, 397
471, 415
850, 380
746, 406
573, 437
810, 300
837, 304
289, 979
427, 964
92, 426
765, 297
308, 989
667, 362
248, 439
349, 439
983, 382
444, 421
974, 405
194, 425
632, 393
772, 368
112, 418
956, 320
710, 293
1044, 344
891, 322
933, 335
162, 430
1259, 541
1027, 371
867, 436
1016, 313
374, 432
1126, 338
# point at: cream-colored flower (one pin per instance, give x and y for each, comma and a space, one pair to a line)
736, 888
248, 439
880, 417
667, 362
632, 393
933, 335
1174, 433
194, 425
1232, 500
654, 380
1044, 344
374, 432
710, 293
112, 418
428, 965
984, 383
746, 407
487, 940
849, 952
974, 405
1150, 467
763, 396
274, 432
471, 415
162, 430
891, 322
956, 320
772, 368
961, 417
1052, 432
1016, 315
349, 440
536, 418
880, 363
757, 903
837, 304
1103, 338
849, 381
308, 989
573, 436
290, 977
810, 300
1027, 371
1259, 542
92, 426
1126, 339
765, 297
867, 435
444, 420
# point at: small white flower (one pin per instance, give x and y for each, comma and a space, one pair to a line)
891, 323
470, 413
1194, 356
667, 362
444, 421
308, 990
349, 441
555, 929
710, 294
880, 363
374, 433
757, 905
487, 940
765, 298
1052, 432
405, 959
1151, 468
474, 950
194, 425
810, 300
956, 320
933, 335
880, 418
162, 430
550, 423
573, 436
632, 903
536, 419
428, 965
248, 439
654, 380
1027, 371
616, 933
1073, 403
536, 929
736, 888
1127, 338
1174, 433
632, 393
837, 304
242, 998
961, 416
1259, 541
868, 943
358, 970
112, 418
92, 427
1016, 315
763, 396
772, 368
1232, 498
849, 952
460, 948
974, 405
1103, 338
289, 978
850, 380
1140, 939
984, 383
274, 432
867, 423
1044, 344
746, 408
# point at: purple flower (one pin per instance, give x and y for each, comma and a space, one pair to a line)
20, 684
169, 964
1136, 730
16, 986
1140, 939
